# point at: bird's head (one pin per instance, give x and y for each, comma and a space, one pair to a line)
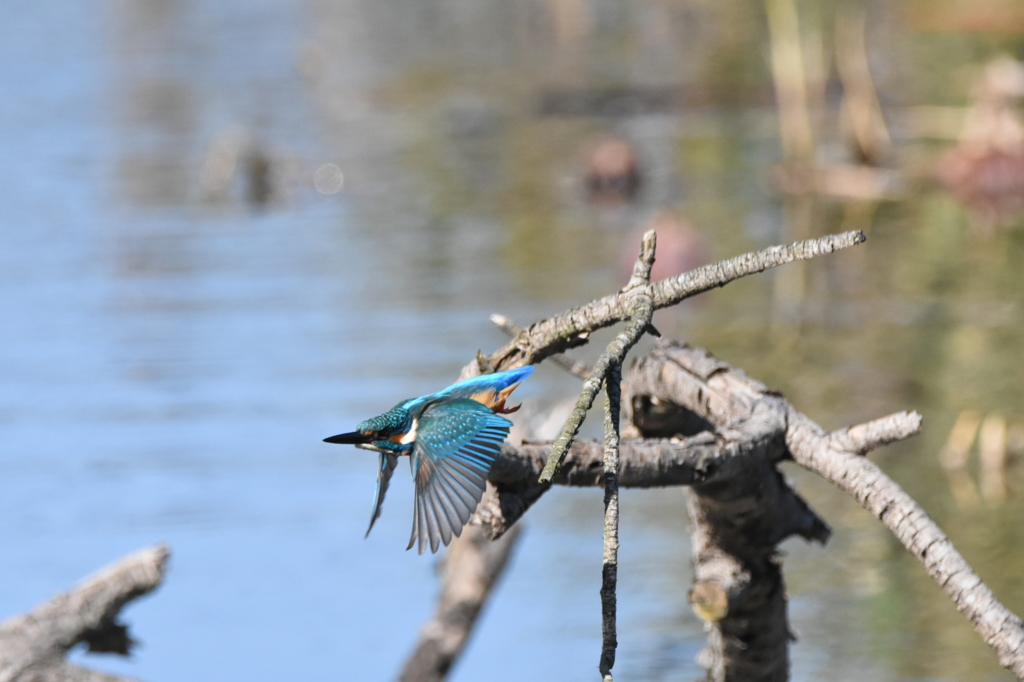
395, 444
390, 432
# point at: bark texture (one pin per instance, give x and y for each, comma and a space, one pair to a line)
33, 646
610, 555
839, 458
737, 520
836, 457
741, 506
572, 328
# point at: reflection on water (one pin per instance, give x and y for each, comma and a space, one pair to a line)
230, 229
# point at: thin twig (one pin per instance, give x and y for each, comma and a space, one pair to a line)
642, 312
637, 293
610, 563
570, 329
563, 360
863, 438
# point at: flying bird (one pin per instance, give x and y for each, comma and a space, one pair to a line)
451, 438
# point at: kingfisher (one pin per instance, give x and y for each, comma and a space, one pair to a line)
451, 438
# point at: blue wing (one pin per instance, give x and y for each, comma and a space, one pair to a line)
385, 467
498, 381
457, 441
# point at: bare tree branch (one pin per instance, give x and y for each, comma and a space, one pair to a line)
637, 294
838, 457
610, 557
862, 439
650, 463
33, 646
563, 360
505, 502
832, 456
570, 329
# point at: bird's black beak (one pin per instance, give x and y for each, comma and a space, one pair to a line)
353, 438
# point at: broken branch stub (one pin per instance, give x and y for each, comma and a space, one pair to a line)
33, 646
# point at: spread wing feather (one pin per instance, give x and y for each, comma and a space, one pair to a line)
457, 441
385, 467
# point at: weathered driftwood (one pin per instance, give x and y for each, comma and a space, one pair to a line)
691, 377
836, 457
636, 302
742, 427
33, 646
739, 517
729, 434
740, 506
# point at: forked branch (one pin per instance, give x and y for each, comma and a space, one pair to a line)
571, 328
837, 457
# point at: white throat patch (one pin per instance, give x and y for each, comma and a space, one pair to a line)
411, 436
